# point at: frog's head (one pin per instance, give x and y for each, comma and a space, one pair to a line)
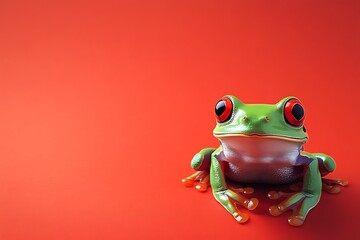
284, 120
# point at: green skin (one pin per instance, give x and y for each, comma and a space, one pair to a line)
263, 122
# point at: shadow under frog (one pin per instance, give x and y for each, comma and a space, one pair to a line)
263, 143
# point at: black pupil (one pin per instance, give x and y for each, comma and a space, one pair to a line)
220, 108
298, 111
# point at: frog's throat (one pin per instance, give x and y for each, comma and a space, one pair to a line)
223, 135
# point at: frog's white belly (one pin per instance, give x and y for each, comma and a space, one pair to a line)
257, 159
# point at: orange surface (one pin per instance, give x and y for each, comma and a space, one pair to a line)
104, 103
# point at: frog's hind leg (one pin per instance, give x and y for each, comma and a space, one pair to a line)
326, 166
201, 163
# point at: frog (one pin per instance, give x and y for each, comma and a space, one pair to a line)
263, 144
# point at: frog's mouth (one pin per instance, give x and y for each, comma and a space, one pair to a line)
258, 148
291, 139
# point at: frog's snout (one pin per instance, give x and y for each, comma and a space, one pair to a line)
245, 118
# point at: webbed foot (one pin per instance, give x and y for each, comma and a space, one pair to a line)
300, 203
231, 200
201, 178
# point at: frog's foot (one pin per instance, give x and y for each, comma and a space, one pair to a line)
332, 185
231, 200
328, 185
201, 178
300, 203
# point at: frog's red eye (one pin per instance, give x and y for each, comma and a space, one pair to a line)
223, 110
294, 112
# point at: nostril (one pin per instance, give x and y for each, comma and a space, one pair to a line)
267, 119
244, 118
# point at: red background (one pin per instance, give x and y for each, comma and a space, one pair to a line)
104, 103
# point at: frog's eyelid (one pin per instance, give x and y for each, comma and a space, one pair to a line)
234, 100
283, 101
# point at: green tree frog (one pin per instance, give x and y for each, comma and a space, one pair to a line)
262, 143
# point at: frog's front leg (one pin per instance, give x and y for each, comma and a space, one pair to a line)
201, 163
229, 199
303, 201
